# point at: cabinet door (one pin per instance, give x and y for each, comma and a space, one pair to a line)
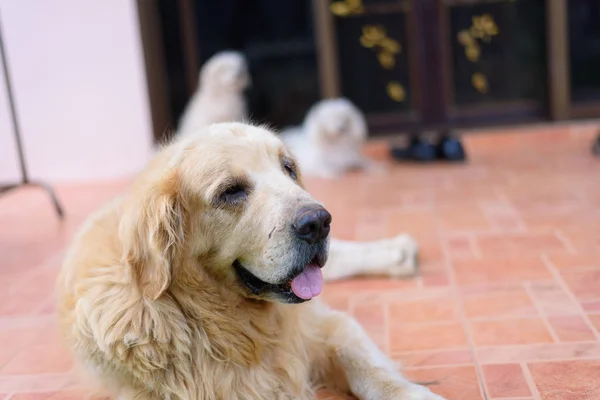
495, 60
376, 59
584, 56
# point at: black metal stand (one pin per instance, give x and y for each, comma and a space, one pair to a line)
24, 174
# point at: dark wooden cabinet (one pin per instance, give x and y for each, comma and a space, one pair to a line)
496, 59
461, 62
584, 57
408, 64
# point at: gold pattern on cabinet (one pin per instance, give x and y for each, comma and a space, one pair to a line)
472, 48
479, 82
372, 35
345, 8
396, 91
484, 27
482, 30
375, 37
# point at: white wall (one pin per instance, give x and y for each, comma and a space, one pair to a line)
9, 169
80, 88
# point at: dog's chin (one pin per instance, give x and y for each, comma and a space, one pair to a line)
281, 292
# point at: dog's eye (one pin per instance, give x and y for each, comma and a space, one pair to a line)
289, 168
234, 194
291, 172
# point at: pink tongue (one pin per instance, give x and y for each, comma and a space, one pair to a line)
309, 283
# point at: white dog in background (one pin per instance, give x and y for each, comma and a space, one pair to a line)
327, 144
220, 94
330, 140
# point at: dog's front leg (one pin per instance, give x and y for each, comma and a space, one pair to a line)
395, 257
368, 165
369, 373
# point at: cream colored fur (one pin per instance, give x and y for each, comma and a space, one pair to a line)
151, 306
330, 140
220, 94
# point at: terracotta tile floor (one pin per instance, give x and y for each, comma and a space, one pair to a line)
507, 305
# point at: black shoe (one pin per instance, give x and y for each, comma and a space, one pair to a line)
596, 147
419, 149
450, 148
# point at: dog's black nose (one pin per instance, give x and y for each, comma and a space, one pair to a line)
312, 224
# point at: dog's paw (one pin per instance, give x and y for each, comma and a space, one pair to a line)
411, 392
418, 392
404, 251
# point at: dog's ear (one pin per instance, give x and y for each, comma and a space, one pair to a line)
152, 231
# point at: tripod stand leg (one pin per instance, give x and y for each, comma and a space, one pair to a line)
57, 206
6, 188
17, 132
53, 198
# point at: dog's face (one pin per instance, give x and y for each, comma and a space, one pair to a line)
228, 202
226, 70
336, 121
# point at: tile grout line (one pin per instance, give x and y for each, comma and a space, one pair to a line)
8, 322
491, 220
491, 347
56, 385
565, 241
48, 262
475, 247
496, 231
522, 226
484, 385
426, 367
509, 398
49, 300
513, 361
493, 319
386, 326
530, 381
581, 269
491, 217
420, 285
462, 316
558, 277
542, 315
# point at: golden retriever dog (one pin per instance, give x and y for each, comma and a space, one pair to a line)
197, 283
329, 141
220, 94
